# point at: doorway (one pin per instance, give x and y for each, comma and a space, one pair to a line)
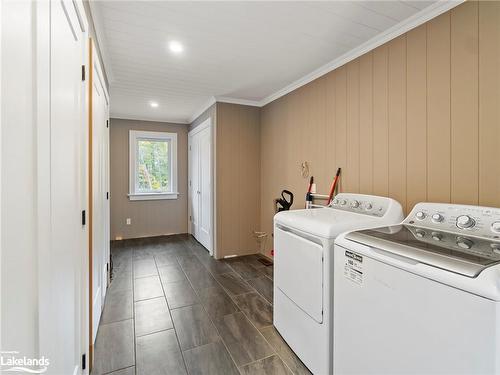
200, 189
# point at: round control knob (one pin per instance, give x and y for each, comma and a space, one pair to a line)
420, 233
437, 218
437, 236
495, 247
354, 204
495, 227
464, 243
420, 215
335, 201
369, 206
465, 221
343, 202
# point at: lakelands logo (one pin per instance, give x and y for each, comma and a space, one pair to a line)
11, 361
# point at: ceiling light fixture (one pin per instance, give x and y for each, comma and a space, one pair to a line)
175, 47
153, 104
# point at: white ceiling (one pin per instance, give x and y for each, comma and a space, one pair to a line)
249, 52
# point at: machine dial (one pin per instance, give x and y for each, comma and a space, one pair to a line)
465, 222
420, 233
464, 243
368, 206
437, 218
495, 227
437, 236
335, 201
420, 215
354, 204
495, 247
343, 202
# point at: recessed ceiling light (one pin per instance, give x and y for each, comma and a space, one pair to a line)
175, 47
153, 104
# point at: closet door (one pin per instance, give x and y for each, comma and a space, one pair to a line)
67, 232
195, 185
201, 186
205, 201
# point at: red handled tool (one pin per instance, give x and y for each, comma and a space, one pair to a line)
308, 195
334, 185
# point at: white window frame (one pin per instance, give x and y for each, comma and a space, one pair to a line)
134, 137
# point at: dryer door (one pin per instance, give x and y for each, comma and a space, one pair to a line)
298, 270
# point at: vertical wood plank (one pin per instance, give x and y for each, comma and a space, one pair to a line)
416, 117
397, 119
341, 122
489, 100
366, 123
380, 122
352, 171
438, 110
330, 160
464, 104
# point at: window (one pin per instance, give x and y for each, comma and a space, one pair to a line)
153, 165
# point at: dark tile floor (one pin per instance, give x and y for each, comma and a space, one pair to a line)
173, 309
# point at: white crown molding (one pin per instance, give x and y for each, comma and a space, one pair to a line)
412, 22
227, 99
210, 102
141, 118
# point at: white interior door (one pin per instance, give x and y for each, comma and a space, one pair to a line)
205, 218
201, 195
100, 202
66, 233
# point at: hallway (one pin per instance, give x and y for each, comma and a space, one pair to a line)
173, 309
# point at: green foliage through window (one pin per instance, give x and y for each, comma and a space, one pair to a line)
153, 166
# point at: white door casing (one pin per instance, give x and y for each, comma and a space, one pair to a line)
200, 184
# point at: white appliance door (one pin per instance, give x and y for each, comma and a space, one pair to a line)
391, 321
298, 271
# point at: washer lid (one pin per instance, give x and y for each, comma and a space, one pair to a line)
325, 222
467, 256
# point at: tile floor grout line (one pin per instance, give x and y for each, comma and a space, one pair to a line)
171, 318
133, 309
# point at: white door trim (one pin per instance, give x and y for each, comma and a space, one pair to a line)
204, 125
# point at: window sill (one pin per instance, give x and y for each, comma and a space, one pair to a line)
152, 196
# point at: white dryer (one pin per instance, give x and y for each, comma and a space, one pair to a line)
303, 269
422, 297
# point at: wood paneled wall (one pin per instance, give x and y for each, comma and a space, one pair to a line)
237, 179
417, 119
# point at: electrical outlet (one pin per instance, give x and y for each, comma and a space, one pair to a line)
129, 221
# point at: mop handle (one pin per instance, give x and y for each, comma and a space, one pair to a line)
334, 185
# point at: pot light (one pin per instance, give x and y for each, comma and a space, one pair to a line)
175, 47
154, 104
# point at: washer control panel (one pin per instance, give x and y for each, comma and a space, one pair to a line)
363, 204
468, 245
456, 218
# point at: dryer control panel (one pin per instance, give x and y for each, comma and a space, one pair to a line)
456, 218
363, 204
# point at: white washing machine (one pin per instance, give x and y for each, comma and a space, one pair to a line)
303, 269
422, 297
